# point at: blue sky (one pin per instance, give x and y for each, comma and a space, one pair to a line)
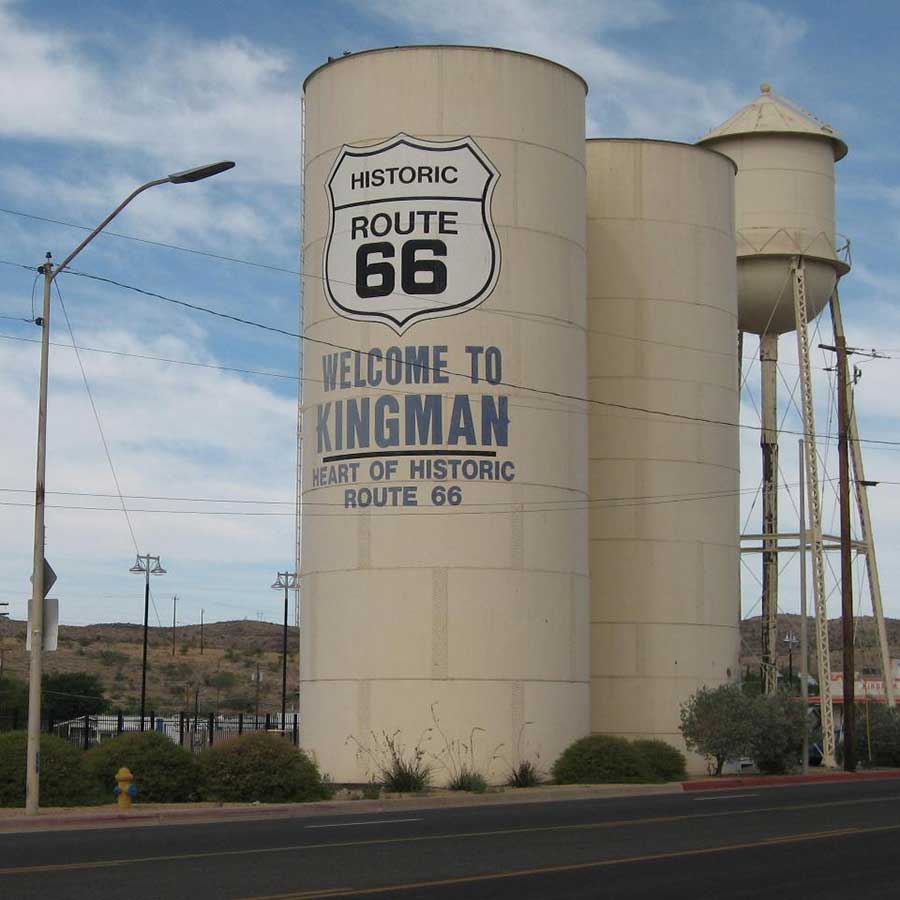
97, 97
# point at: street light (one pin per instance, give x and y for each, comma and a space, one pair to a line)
39, 563
790, 640
288, 581
142, 567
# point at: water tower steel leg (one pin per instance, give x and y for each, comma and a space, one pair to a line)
865, 520
814, 526
768, 360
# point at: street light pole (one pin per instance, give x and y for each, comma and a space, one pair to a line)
288, 581
36, 619
142, 566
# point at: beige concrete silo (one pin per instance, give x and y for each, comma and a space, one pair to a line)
662, 320
444, 522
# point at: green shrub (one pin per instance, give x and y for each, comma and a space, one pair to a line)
261, 767
718, 723
468, 780
525, 774
163, 771
778, 722
63, 780
666, 763
602, 759
881, 731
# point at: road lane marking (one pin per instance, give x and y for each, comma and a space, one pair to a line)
412, 839
729, 797
575, 867
367, 822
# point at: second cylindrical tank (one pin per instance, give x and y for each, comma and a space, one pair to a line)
664, 471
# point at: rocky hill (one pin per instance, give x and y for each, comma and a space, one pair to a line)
867, 653
224, 673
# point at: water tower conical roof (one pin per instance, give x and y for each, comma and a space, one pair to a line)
771, 114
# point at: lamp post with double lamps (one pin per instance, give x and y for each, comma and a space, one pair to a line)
790, 640
288, 582
39, 566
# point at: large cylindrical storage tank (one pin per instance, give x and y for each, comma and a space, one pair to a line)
444, 524
784, 208
664, 490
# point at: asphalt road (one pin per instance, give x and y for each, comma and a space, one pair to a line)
834, 840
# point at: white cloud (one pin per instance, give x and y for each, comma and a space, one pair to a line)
771, 34
629, 94
172, 432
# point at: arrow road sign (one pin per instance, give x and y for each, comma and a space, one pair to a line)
49, 578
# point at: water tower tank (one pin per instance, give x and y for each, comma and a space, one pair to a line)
444, 523
784, 207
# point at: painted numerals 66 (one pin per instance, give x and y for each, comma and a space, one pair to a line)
373, 262
451, 496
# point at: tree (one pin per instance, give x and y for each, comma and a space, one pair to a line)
718, 723
779, 722
71, 695
13, 696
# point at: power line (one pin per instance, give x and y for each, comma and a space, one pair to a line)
561, 395
140, 240
112, 468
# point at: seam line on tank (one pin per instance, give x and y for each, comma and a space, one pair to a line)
696, 225
425, 136
598, 298
461, 678
666, 624
654, 540
499, 226
428, 567
579, 492
665, 459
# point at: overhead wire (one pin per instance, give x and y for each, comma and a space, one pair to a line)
105, 443
561, 395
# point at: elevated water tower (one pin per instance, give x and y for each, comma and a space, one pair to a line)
788, 269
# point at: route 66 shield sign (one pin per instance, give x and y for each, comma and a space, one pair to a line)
410, 234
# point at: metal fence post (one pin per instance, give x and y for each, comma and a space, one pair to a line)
240, 724
212, 726
152, 720
87, 732
181, 729
120, 722
296, 739
268, 721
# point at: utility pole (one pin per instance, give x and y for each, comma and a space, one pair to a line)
846, 562
849, 663
201, 632
804, 650
41, 571
143, 567
174, 605
287, 581
256, 715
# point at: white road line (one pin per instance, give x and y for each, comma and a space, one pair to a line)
729, 797
369, 822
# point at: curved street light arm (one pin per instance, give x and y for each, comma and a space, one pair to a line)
106, 222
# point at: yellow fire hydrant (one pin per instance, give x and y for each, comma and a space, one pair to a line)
125, 789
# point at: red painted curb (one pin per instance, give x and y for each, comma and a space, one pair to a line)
772, 780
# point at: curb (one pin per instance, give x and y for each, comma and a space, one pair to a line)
722, 784
22, 824
326, 808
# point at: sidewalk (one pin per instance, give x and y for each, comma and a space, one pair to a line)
109, 816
